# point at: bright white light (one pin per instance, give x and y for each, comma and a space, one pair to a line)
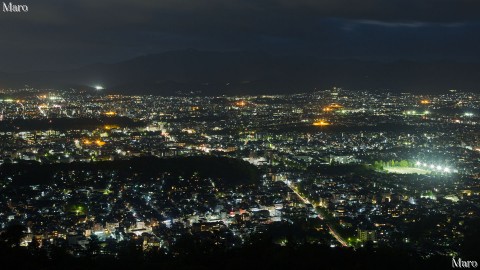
439, 167
446, 170
432, 166
98, 87
418, 163
468, 114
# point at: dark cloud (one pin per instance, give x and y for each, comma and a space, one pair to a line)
65, 34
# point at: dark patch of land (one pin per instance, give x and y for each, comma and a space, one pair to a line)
230, 171
258, 255
341, 169
67, 123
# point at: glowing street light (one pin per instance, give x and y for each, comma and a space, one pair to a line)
439, 168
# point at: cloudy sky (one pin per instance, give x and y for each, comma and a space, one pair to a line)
59, 34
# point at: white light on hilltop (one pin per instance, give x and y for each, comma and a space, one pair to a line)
99, 87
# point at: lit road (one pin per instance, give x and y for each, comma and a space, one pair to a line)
337, 237
332, 232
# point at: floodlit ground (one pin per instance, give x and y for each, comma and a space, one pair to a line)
406, 170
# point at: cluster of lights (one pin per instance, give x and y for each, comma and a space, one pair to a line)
109, 127
332, 107
241, 103
99, 143
413, 112
321, 123
433, 167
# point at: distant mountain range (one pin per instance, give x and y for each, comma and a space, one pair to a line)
213, 73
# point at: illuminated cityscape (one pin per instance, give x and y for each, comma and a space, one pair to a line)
341, 168
239, 134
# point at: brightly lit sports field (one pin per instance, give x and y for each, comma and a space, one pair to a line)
406, 170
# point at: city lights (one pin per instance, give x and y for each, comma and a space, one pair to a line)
265, 134
110, 113
434, 167
321, 123
172, 166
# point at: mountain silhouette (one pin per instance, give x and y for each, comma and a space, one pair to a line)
253, 72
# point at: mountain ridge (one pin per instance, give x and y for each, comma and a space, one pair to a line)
253, 72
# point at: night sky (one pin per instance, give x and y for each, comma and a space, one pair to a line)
63, 34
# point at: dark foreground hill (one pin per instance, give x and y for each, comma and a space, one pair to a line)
255, 256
